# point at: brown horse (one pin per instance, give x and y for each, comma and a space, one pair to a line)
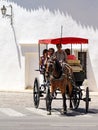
59, 80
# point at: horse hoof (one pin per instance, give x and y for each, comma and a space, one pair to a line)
48, 113
63, 112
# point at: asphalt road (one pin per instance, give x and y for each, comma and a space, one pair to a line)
17, 112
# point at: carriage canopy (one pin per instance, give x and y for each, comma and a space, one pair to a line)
64, 40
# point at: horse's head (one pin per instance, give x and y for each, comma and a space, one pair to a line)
54, 68
49, 67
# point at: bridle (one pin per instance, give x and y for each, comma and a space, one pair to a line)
54, 69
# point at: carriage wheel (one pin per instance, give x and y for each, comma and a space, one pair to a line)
87, 99
76, 100
36, 93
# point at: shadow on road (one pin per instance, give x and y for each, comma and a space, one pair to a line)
77, 112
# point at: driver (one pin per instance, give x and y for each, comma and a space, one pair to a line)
60, 55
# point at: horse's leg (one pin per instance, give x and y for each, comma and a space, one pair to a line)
49, 106
64, 104
52, 88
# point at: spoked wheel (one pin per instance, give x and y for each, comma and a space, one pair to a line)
76, 98
87, 99
36, 93
76, 101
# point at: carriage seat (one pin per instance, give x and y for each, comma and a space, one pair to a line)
75, 64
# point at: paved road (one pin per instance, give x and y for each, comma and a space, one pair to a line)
18, 113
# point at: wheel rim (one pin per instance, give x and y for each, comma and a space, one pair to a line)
76, 101
76, 96
36, 96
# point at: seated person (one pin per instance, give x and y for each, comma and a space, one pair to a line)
43, 60
42, 63
69, 56
51, 52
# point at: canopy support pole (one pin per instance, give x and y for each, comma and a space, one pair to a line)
39, 53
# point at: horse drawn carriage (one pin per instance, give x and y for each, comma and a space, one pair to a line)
65, 83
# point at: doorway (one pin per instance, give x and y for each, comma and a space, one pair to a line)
31, 64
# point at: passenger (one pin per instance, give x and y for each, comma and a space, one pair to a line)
43, 60
51, 52
70, 56
42, 63
67, 51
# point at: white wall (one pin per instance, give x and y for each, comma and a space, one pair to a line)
29, 27
93, 65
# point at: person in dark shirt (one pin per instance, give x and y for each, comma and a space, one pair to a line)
43, 60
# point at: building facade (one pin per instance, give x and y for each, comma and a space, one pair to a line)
19, 44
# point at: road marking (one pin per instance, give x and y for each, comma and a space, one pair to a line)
54, 113
11, 112
43, 112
